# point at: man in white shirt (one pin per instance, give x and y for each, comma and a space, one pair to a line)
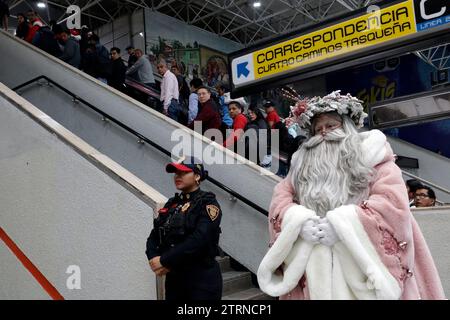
169, 91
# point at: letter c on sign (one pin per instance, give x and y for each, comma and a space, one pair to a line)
430, 16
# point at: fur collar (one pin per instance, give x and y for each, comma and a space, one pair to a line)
373, 147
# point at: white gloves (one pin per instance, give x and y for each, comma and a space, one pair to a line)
309, 230
319, 230
327, 235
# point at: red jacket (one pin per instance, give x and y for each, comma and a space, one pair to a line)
239, 124
36, 25
208, 115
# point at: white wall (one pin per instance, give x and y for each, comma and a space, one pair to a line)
64, 203
124, 31
432, 167
435, 226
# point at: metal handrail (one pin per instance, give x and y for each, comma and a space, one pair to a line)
141, 138
431, 184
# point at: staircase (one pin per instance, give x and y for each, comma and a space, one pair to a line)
237, 285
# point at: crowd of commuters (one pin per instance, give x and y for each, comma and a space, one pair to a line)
181, 102
82, 49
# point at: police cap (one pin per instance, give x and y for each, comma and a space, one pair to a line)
190, 164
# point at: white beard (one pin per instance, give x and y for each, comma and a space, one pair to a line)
328, 172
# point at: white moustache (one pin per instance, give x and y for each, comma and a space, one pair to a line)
335, 135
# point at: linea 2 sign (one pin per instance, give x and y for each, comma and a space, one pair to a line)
385, 25
431, 13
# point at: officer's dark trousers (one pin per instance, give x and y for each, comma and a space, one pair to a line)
194, 283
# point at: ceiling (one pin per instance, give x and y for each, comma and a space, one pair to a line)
237, 20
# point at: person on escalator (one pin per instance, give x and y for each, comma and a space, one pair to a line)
142, 70
4, 14
131, 56
257, 123
35, 25
424, 197
169, 91
45, 39
236, 110
117, 78
22, 26
208, 114
96, 61
71, 53
411, 187
195, 84
224, 97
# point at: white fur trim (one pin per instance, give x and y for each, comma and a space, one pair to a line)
375, 282
319, 273
289, 249
373, 147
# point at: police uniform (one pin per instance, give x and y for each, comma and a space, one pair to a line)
186, 236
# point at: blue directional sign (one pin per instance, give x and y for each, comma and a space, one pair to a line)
242, 69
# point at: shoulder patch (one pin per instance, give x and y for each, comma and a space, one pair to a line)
213, 211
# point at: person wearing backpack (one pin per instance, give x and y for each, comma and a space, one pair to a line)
45, 39
101, 60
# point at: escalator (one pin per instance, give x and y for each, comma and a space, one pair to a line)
142, 141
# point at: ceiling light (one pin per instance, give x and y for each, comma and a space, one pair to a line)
257, 4
41, 5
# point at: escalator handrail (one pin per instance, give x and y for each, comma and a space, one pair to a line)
141, 137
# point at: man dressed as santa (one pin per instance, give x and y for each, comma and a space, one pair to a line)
340, 225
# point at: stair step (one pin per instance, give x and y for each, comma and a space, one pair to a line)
224, 263
248, 294
234, 281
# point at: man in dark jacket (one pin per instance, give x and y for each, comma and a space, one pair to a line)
208, 113
45, 39
71, 53
96, 60
22, 26
117, 78
131, 56
4, 14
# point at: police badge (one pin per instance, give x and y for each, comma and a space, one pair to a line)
185, 207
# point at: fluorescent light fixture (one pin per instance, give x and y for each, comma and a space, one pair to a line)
41, 5
257, 4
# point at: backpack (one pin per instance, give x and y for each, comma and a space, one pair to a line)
46, 41
104, 62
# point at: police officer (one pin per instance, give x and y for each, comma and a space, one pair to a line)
184, 241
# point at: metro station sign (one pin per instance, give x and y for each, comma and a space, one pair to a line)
371, 28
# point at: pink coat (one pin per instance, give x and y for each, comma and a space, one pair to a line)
390, 226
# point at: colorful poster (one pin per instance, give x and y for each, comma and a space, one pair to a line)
197, 52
